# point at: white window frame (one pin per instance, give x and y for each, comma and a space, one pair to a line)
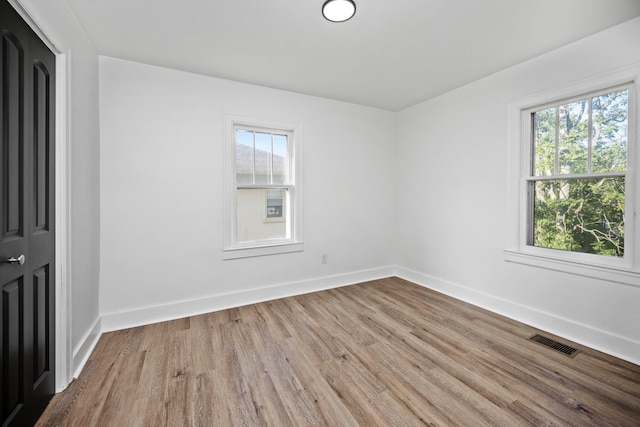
233, 249
624, 270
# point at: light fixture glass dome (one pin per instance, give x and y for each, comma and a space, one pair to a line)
338, 10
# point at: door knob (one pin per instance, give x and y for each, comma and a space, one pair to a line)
19, 260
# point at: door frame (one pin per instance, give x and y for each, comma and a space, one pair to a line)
64, 368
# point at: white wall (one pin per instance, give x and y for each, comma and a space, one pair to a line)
83, 168
162, 194
451, 181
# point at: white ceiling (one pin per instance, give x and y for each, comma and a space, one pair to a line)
391, 55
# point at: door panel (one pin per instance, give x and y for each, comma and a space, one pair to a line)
12, 164
27, 186
41, 337
13, 363
41, 139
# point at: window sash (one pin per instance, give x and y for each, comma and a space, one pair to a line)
288, 169
261, 230
556, 105
583, 224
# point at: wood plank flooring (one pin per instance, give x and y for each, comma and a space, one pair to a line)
382, 353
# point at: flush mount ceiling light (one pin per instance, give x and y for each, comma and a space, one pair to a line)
338, 10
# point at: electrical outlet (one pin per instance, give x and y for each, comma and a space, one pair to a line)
325, 258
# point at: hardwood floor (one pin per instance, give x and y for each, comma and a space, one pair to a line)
382, 353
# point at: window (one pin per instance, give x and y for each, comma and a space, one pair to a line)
576, 182
263, 209
572, 192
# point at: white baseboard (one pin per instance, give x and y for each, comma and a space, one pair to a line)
146, 315
606, 342
82, 352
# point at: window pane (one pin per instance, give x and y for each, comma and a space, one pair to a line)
580, 215
252, 215
544, 142
244, 157
573, 148
609, 130
263, 158
280, 161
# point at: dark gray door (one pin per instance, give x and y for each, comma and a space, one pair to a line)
27, 239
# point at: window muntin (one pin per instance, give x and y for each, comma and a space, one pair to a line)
576, 183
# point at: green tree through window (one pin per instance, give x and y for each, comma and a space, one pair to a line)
577, 184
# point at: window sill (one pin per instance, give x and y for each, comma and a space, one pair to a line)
621, 275
255, 251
